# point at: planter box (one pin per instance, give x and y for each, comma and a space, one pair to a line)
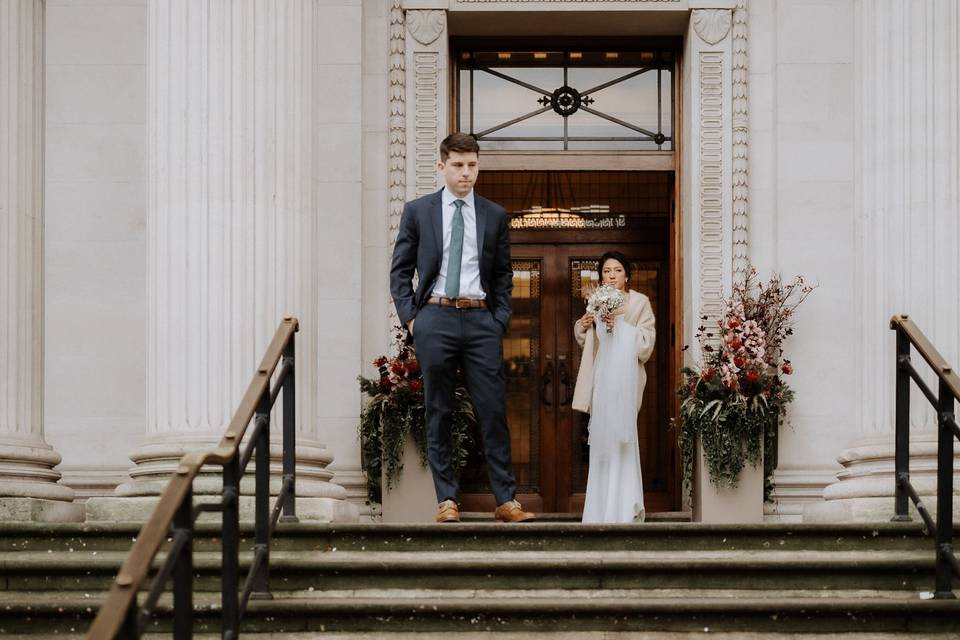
412, 498
742, 505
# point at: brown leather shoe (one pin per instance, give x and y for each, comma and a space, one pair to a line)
511, 511
448, 511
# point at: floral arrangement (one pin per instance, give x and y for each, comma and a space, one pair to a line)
396, 408
603, 300
735, 399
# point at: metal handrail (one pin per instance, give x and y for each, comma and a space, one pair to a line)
120, 616
908, 335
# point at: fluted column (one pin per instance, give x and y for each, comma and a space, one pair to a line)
237, 223
907, 204
28, 481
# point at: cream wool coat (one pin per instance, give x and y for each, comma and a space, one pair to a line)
637, 312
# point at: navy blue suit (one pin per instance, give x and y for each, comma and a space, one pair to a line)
446, 338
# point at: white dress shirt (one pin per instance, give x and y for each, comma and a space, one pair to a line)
470, 265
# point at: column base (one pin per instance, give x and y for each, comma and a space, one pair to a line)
864, 489
793, 489
21, 509
139, 509
27, 470
318, 499
869, 510
157, 459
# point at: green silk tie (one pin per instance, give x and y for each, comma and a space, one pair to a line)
456, 251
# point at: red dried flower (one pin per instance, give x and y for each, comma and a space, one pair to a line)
786, 367
752, 375
739, 361
735, 344
708, 374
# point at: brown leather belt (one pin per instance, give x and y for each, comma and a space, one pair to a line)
459, 303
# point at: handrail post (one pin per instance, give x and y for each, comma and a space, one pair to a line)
944, 493
902, 455
231, 549
261, 548
290, 434
183, 570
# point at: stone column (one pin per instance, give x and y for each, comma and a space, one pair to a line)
29, 488
243, 222
907, 199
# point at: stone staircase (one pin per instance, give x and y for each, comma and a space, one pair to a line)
657, 580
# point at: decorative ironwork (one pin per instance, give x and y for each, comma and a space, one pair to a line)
567, 100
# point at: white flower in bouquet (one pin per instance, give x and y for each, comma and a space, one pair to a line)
603, 301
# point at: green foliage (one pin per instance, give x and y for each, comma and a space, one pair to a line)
731, 428
734, 402
396, 408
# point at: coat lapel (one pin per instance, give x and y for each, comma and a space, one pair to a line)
436, 221
481, 223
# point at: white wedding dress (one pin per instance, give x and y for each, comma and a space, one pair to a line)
614, 486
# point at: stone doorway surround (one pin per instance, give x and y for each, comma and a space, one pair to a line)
713, 130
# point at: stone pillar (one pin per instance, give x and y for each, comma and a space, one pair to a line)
242, 220
29, 488
715, 210
907, 199
427, 97
708, 191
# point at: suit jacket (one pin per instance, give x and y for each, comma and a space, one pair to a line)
638, 313
419, 247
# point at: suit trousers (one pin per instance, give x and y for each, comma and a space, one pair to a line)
445, 339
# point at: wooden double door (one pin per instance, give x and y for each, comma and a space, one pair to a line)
541, 359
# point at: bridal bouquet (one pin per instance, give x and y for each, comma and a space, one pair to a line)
603, 300
735, 399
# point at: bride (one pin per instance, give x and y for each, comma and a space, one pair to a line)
610, 388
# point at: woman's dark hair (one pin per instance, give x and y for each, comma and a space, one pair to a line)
613, 255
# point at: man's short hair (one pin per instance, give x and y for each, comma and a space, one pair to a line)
459, 142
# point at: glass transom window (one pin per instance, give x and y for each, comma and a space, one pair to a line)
571, 100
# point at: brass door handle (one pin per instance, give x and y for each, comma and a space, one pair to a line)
546, 381
564, 377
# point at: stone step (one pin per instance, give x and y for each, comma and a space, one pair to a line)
557, 536
817, 570
53, 614
535, 635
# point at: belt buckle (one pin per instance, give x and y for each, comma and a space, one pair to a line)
456, 303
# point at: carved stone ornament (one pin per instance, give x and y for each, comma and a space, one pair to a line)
426, 25
712, 25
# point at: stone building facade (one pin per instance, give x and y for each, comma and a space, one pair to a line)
178, 175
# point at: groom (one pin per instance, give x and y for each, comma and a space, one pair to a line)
459, 245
